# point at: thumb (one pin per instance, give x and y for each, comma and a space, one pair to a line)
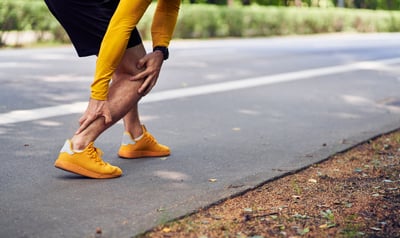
81, 120
107, 118
141, 63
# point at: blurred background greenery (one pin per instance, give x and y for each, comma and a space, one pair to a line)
220, 18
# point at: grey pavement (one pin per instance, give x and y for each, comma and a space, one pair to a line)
241, 111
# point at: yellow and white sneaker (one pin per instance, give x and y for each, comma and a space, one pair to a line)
87, 162
145, 146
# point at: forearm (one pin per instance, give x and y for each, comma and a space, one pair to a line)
164, 21
114, 44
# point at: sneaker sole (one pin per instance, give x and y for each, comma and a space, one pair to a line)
73, 168
141, 154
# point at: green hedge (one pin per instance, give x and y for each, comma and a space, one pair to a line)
203, 21
206, 21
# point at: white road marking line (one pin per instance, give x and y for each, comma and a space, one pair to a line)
78, 107
41, 113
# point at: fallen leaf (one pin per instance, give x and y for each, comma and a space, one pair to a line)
274, 217
391, 189
235, 185
299, 216
375, 228
358, 170
160, 209
386, 147
166, 229
349, 204
312, 180
247, 209
336, 202
331, 225
304, 231
217, 217
323, 226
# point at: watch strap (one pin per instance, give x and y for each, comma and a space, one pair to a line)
164, 51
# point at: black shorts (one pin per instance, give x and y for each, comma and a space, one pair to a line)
86, 22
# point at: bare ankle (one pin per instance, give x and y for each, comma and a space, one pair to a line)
135, 131
78, 143
138, 133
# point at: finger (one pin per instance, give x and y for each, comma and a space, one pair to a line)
84, 125
140, 76
135, 78
140, 64
107, 118
82, 119
144, 86
149, 88
80, 129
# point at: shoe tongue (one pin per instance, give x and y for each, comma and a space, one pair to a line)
90, 147
98, 151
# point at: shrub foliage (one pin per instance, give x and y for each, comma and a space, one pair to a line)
207, 20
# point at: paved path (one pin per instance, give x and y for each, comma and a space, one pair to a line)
239, 111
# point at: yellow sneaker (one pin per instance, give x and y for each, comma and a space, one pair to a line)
146, 146
87, 163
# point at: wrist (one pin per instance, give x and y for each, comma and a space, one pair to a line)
159, 54
163, 50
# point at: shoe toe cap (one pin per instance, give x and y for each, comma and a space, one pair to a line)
117, 171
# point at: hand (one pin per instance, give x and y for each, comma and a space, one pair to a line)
151, 63
95, 109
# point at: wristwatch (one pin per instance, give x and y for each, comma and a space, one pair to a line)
163, 50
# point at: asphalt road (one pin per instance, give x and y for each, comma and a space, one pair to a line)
238, 111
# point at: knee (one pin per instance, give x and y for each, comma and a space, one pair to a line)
129, 61
119, 75
123, 72
123, 76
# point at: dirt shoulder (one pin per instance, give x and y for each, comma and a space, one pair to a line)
352, 194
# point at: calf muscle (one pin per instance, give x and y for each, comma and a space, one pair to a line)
122, 98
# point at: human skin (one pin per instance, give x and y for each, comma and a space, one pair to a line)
134, 77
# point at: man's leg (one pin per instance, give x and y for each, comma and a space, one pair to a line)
123, 96
79, 155
137, 142
132, 122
